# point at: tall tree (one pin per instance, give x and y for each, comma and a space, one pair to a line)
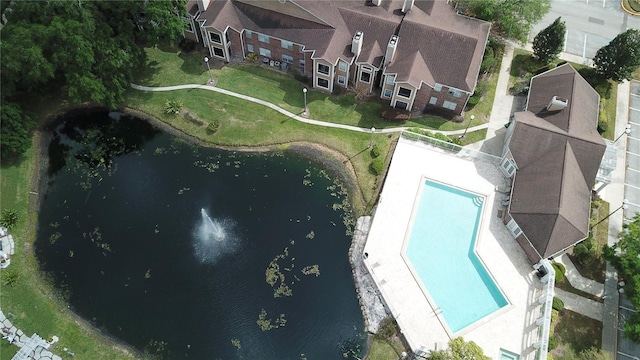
619, 59
459, 350
510, 18
15, 131
549, 42
625, 257
89, 49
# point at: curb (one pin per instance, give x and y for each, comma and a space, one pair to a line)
628, 11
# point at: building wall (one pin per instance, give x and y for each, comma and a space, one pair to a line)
234, 44
397, 97
444, 95
386, 86
363, 86
191, 33
292, 56
217, 49
422, 97
344, 74
319, 78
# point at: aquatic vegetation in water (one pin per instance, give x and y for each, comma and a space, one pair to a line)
311, 269
306, 180
276, 278
96, 237
147, 275
266, 324
54, 237
311, 235
236, 343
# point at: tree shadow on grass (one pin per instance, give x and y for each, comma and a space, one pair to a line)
597, 81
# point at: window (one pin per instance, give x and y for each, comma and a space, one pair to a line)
215, 38
323, 69
508, 167
433, 100
301, 63
249, 48
437, 87
404, 92
455, 93
265, 52
218, 52
342, 66
248, 34
391, 79
514, 228
387, 93
323, 83
401, 105
286, 44
263, 38
287, 58
342, 80
365, 77
449, 105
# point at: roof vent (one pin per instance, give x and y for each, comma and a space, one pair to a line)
408, 4
376, 2
391, 49
356, 43
557, 103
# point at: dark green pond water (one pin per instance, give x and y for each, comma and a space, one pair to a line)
187, 252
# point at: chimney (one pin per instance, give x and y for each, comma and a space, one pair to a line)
408, 4
203, 5
376, 2
356, 43
557, 104
391, 49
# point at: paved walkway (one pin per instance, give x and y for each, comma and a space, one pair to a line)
292, 115
577, 281
31, 347
577, 303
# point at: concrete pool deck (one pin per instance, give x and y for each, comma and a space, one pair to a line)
512, 328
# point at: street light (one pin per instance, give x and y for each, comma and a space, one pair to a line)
627, 131
623, 206
467, 128
371, 138
304, 93
206, 60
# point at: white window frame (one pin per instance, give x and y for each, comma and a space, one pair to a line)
400, 101
264, 52
212, 40
301, 63
250, 48
248, 34
406, 97
364, 71
287, 58
387, 93
342, 66
323, 79
263, 38
433, 100
455, 92
450, 105
391, 79
218, 48
514, 229
437, 87
342, 80
324, 65
509, 167
286, 44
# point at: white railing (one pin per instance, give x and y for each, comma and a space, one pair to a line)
457, 149
546, 299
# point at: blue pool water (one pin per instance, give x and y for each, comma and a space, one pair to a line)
441, 251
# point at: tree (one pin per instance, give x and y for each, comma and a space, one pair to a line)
624, 256
9, 218
15, 131
619, 59
549, 42
460, 350
509, 18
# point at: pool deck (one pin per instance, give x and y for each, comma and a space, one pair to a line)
512, 328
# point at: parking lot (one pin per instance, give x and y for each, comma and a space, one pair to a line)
632, 181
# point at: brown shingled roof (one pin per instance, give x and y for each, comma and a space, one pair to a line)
558, 155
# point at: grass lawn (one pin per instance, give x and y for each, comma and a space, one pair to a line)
383, 349
523, 63
575, 333
30, 298
595, 267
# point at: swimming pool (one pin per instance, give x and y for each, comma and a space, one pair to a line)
440, 251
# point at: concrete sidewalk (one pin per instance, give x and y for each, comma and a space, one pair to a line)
580, 305
578, 281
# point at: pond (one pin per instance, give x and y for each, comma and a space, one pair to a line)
187, 252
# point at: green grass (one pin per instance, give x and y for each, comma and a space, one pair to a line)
576, 333
383, 349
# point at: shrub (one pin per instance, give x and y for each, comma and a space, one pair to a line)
172, 107
375, 151
9, 218
560, 270
212, 127
10, 278
377, 165
602, 124
553, 343
558, 304
473, 101
387, 329
394, 114
253, 57
585, 251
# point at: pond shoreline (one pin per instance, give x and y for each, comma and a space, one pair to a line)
335, 162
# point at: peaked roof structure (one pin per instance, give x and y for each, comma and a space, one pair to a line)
558, 154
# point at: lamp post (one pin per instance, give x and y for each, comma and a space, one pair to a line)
627, 131
623, 206
206, 60
304, 93
467, 128
371, 137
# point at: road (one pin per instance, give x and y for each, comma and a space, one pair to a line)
591, 24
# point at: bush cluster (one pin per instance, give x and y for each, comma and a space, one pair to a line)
377, 165
187, 45
558, 304
172, 107
375, 151
560, 270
